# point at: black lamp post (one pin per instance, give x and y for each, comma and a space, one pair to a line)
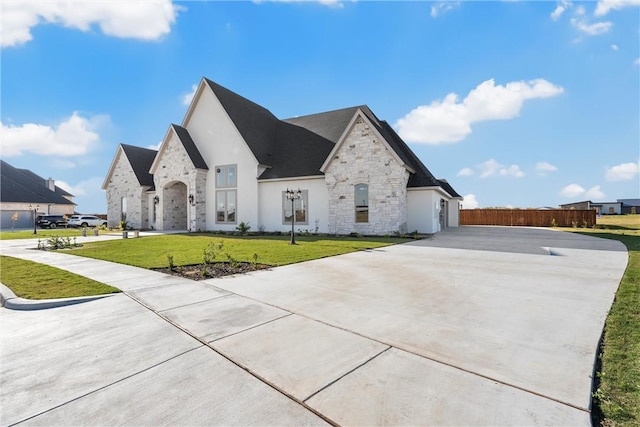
35, 214
293, 196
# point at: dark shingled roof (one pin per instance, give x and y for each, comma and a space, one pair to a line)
24, 186
141, 160
300, 145
448, 188
190, 146
286, 149
332, 125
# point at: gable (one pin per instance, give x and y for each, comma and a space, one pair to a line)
376, 137
181, 137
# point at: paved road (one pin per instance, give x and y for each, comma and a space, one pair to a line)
472, 326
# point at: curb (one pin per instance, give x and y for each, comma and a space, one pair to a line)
10, 301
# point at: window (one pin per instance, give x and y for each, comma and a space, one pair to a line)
226, 199
226, 206
123, 206
300, 206
226, 176
362, 202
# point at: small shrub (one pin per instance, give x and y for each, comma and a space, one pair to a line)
243, 228
554, 223
170, 262
255, 259
123, 221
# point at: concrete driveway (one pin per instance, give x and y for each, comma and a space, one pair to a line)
473, 326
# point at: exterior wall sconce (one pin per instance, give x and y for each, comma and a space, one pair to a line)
156, 200
191, 200
293, 196
35, 215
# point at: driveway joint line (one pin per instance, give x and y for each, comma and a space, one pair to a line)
345, 374
253, 374
106, 385
250, 328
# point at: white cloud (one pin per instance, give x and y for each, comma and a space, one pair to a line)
465, 172
146, 20
572, 190
72, 137
543, 167
449, 120
469, 202
89, 195
594, 193
443, 7
513, 170
560, 9
187, 98
604, 6
594, 29
636, 62
492, 167
622, 172
614, 47
154, 146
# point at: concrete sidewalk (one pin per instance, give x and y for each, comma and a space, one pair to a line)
449, 330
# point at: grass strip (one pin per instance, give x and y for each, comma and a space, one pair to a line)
616, 399
187, 249
32, 280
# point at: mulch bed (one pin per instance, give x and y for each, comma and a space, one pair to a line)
217, 269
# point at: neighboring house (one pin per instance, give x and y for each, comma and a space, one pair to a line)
232, 160
601, 208
630, 206
24, 194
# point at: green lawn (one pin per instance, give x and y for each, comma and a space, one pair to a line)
186, 249
617, 397
32, 280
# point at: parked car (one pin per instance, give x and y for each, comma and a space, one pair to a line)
86, 221
51, 221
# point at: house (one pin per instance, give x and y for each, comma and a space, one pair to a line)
601, 208
23, 195
231, 160
630, 206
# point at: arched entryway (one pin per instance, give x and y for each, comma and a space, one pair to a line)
174, 206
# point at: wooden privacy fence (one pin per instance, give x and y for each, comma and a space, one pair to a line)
529, 217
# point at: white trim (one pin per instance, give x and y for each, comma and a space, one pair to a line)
437, 188
194, 101
161, 150
105, 184
294, 178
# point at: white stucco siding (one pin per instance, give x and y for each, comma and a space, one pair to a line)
423, 206
270, 201
220, 144
362, 158
124, 184
454, 213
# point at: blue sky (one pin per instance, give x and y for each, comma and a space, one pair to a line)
515, 103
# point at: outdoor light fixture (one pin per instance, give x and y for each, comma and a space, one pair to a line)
191, 199
35, 212
156, 200
293, 196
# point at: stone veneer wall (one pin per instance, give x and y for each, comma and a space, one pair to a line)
124, 183
176, 166
364, 159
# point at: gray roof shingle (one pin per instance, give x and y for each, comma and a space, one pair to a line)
299, 146
141, 160
24, 186
190, 147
